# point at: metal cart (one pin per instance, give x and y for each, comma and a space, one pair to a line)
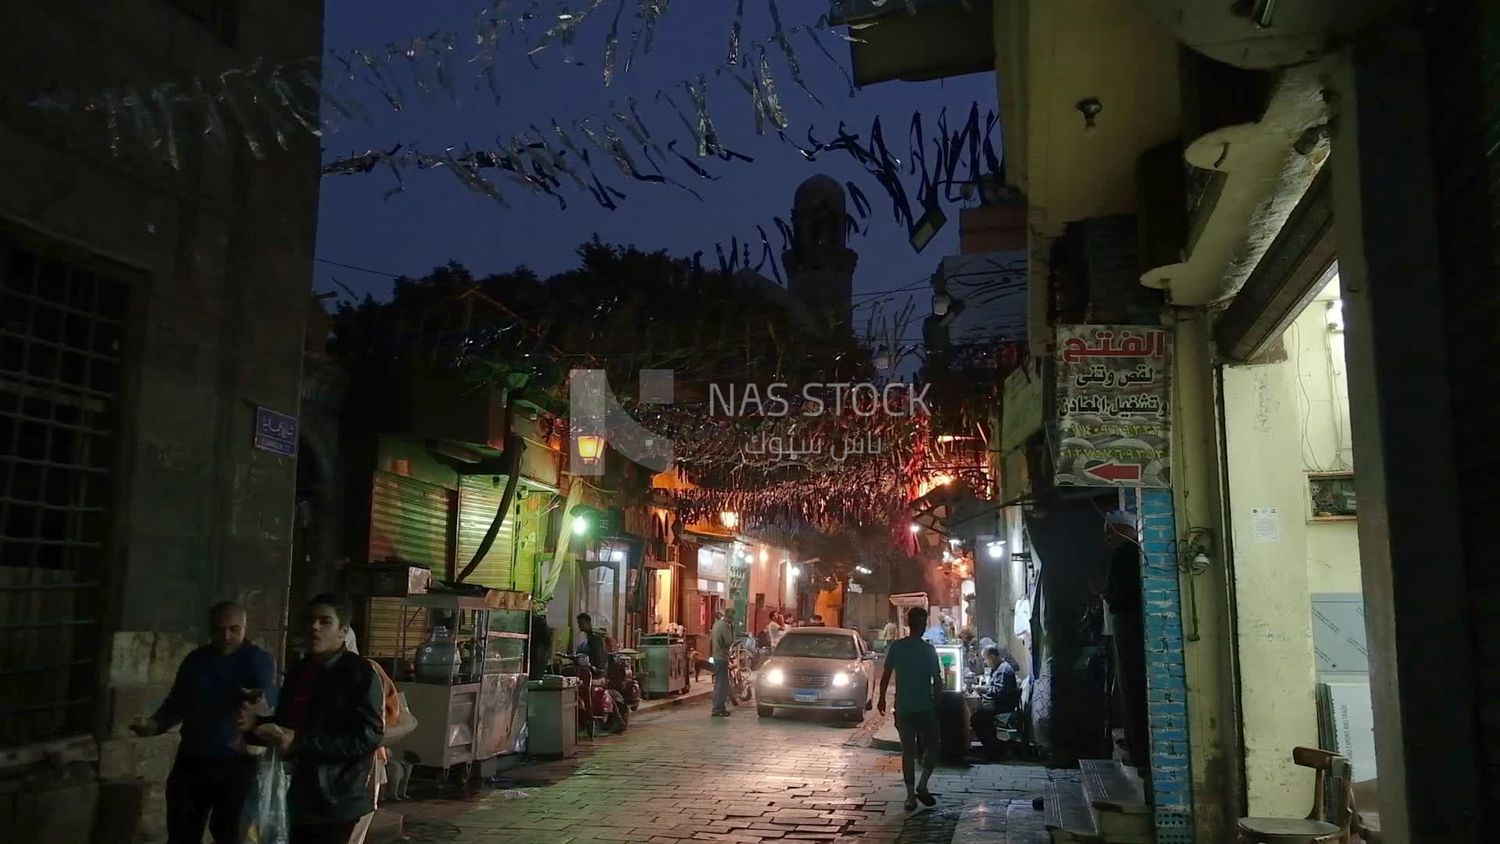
478, 714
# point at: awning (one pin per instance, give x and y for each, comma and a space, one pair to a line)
1288, 277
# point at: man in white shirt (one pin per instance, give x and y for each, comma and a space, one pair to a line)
775, 629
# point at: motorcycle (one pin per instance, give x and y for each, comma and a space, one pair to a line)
741, 662
621, 677
599, 706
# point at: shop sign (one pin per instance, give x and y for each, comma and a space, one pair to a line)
1114, 406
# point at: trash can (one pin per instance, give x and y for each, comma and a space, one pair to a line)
552, 717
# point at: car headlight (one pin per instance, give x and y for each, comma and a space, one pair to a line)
841, 680
776, 677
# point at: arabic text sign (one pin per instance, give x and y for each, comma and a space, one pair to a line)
1114, 406
275, 432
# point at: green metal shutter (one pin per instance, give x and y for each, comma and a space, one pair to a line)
411, 521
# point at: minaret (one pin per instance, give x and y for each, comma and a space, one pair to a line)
820, 265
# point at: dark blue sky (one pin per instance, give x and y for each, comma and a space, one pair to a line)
436, 218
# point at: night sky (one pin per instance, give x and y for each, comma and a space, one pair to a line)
437, 218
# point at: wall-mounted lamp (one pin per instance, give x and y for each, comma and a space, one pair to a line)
996, 549
590, 448
1090, 109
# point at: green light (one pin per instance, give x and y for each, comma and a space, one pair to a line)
580, 525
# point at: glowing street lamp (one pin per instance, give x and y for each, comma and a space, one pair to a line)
996, 549
590, 448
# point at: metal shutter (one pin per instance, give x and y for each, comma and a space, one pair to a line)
478, 498
411, 521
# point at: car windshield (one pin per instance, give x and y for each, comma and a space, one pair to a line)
818, 645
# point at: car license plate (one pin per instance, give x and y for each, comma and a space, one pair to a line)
801, 696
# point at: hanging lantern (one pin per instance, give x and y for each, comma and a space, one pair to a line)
590, 448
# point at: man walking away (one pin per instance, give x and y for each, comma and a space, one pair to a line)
919, 681
212, 774
722, 639
328, 722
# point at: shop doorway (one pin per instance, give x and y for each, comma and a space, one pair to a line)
1293, 519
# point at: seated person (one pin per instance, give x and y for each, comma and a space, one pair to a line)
999, 694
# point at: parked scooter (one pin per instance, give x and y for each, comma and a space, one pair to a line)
599, 706
621, 675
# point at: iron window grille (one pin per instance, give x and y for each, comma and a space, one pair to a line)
61, 331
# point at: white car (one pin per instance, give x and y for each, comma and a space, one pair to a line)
825, 669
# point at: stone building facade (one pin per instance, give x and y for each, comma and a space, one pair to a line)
146, 312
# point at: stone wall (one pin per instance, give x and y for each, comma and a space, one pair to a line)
218, 259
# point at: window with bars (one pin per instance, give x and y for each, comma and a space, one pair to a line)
61, 331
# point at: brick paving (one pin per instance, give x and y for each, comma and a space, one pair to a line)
680, 776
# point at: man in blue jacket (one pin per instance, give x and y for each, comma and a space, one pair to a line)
328, 722
212, 774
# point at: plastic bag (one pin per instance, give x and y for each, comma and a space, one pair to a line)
265, 819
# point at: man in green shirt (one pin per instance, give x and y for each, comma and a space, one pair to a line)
919, 681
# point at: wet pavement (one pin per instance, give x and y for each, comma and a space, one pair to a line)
679, 775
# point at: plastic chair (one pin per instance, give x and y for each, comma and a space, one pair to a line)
1325, 823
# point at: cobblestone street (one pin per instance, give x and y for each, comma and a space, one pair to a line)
679, 775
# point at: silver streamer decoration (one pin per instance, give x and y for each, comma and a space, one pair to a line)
165, 98
226, 97
735, 28
274, 102
566, 23
488, 35
108, 104
612, 45
140, 118
780, 37
390, 90
766, 87
703, 129
649, 11
213, 123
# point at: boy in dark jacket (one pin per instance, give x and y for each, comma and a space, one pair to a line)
328, 722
